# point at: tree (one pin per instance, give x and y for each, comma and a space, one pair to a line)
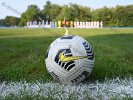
115, 16
103, 14
85, 14
50, 11
65, 13
2, 22
129, 15
120, 15
54, 11
11, 21
23, 19
31, 14
75, 9
46, 10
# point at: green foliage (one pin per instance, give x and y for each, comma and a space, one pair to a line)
31, 14
22, 52
85, 14
103, 14
2, 22
75, 12
129, 15
120, 15
23, 20
10, 21
115, 16
54, 11
66, 13
46, 10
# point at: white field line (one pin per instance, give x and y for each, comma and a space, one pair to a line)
117, 87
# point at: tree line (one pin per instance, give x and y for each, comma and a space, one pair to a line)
114, 16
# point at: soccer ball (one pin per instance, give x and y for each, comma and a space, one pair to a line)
70, 59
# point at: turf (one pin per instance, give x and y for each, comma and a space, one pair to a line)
22, 52
115, 89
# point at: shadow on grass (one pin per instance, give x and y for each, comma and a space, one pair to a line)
23, 58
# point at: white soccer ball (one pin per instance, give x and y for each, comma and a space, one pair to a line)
70, 59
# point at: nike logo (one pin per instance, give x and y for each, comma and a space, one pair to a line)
64, 58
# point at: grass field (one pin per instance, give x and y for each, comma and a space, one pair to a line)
23, 74
22, 52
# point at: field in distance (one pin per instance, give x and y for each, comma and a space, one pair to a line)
22, 52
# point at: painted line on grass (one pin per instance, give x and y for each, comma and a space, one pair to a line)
115, 88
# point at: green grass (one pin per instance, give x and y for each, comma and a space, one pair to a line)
22, 52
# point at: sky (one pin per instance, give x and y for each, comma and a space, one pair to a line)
16, 7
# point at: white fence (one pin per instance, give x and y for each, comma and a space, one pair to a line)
43, 24
54, 24
88, 24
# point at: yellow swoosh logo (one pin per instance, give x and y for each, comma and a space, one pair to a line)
64, 58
